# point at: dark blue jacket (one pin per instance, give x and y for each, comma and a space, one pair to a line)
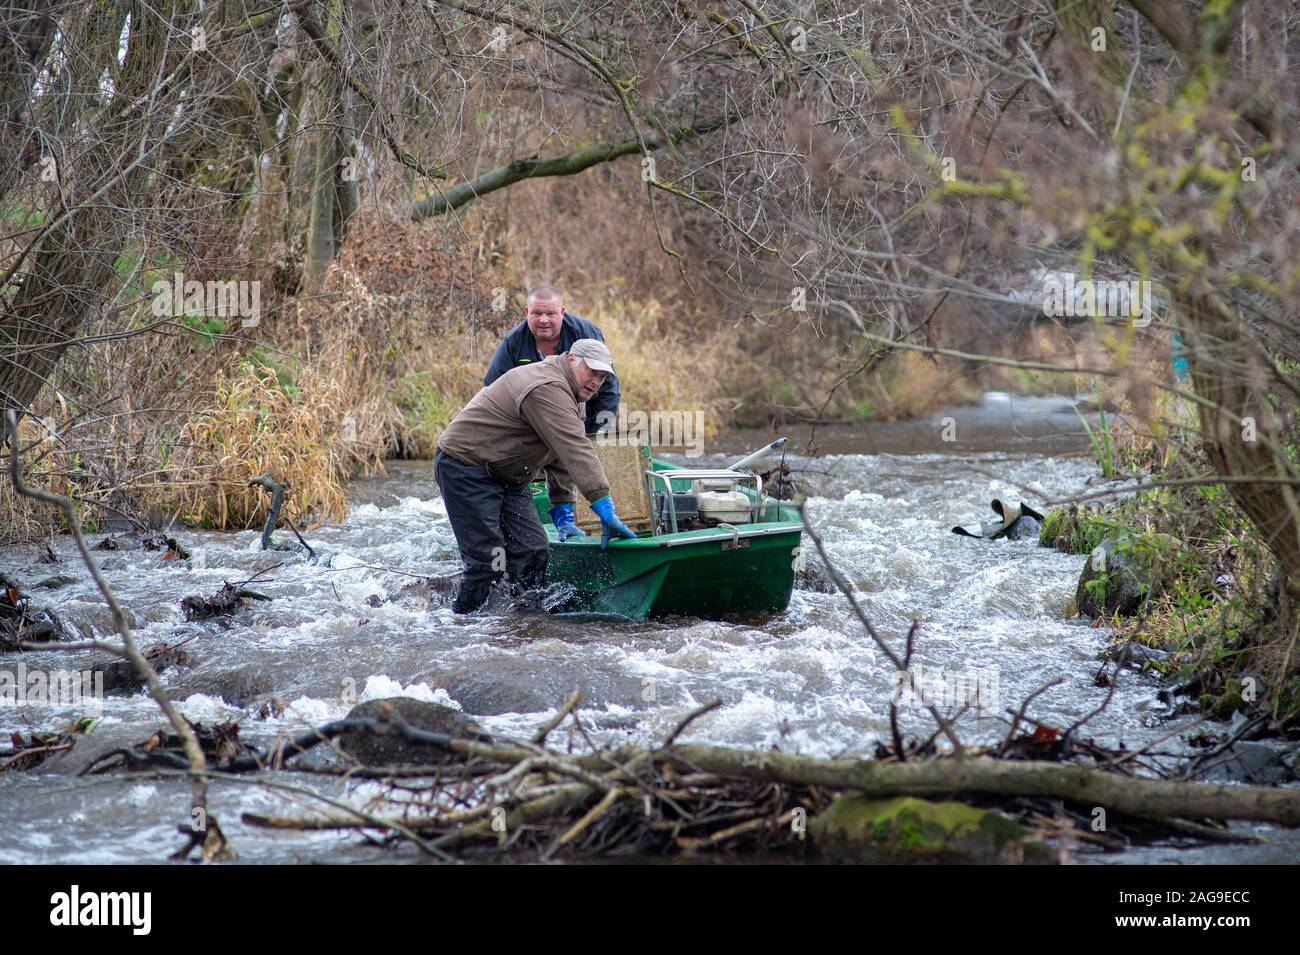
520, 348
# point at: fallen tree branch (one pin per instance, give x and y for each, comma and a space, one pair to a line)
545, 729
227, 599
277, 490
689, 718
1149, 798
568, 164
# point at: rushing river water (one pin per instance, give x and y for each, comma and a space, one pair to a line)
808, 680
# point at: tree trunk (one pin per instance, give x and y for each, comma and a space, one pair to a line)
326, 159
27, 35
61, 293
347, 194
1152, 798
1238, 430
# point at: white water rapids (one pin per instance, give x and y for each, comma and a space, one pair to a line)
807, 680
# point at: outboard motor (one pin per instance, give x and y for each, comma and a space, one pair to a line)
686, 506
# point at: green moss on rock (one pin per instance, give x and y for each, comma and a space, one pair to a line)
1074, 529
910, 830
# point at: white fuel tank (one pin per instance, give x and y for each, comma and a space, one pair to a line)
724, 507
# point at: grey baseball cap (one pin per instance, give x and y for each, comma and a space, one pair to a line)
594, 353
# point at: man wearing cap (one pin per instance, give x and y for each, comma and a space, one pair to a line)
526, 420
547, 329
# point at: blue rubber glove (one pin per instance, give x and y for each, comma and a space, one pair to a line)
562, 518
610, 525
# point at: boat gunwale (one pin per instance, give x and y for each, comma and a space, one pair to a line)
681, 538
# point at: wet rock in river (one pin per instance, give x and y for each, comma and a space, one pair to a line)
813, 576
426, 592
490, 695
1257, 764
54, 582
1023, 527
387, 747
1137, 655
149, 540
1013, 520
497, 687
240, 687
121, 677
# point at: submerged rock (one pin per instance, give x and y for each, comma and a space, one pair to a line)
489, 694
243, 686
1014, 520
911, 830
814, 577
1258, 764
148, 540
54, 582
1137, 655
387, 747
121, 677
424, 593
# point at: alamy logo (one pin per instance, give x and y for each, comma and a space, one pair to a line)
235, 298
659, 429
947, 689
1066, 297
77, 688
103, 908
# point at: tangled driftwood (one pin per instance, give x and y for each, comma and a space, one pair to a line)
473, 793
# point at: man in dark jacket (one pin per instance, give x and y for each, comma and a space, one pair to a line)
547, 329
525, 421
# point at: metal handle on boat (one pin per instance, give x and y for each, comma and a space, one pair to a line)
735, 534
755, 455
651, 476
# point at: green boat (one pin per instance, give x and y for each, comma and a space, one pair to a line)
709, 543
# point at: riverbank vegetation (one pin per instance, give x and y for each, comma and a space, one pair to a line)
1176, 565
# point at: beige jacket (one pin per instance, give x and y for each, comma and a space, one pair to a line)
528, 419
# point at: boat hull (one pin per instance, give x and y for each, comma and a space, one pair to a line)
708, 573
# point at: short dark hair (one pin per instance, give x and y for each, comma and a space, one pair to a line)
546, 291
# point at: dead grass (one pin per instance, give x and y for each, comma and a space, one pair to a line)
658, 368
256, 426
44, 465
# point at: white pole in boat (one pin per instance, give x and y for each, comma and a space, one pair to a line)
753, 456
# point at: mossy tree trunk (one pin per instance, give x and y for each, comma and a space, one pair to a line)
1238, 429
322, 229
